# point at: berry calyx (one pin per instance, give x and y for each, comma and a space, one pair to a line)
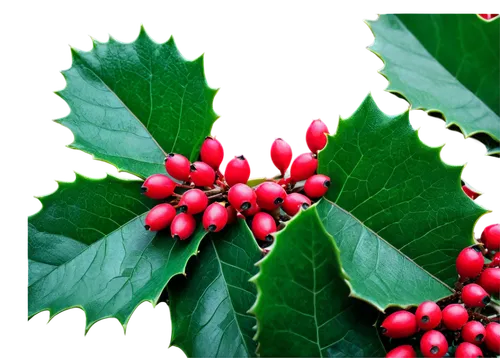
428, 315
177, 166
469, 192
193, 201
405, 351
211, 152
473, 332
254, 209
474, 295
468, 350
159, 217
399, 324
215, 217
455, 316
316, 186
158, 186
316, 135
303, 167
237, 171
433, 344
270, 195
293, 202
490, 281
281, 155
182, 226
263, 225
491, 237
241, 196
492, 338
469, 262
202, 174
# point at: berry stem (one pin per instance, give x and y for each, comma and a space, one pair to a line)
184, 186
478, 316
215, 191
448, 299
216, 196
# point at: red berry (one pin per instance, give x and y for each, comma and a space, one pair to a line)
177, 166
293, 202
263, 225
488, 16
281, 155
495, 262
405, 351
241, 196
469, 192
468, 350
492, 339
215, 217
470, 262
193, 201
490, 280
231, 214
428, 315
211, 152
491, 237
316, 135
473, 332
433, 344
159, 217
202, 174
182, 226
474, 295
303, 167
158, 186
254, 209
455, 316
316, 186
399, 324
270, 195
237, 171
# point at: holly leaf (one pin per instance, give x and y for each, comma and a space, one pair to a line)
133, 103
447, 63
303, 307
394, 190
209, 308
88, 248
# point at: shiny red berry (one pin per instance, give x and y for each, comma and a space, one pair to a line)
263, 225
231, 214
303, 167
241, 196
473, 332
495, 262
202, 174
270, 195
211, 152
474, 295
158, 186
215, 217
468, 350
237, 171
254, 209
399, 324
433, 344
159, 217
455, 316
469, 262
182, 226
193, 201
492, 338
491, 237
488, 16
490, 281
405, 351
316, 186
281, 155
293, 202
428, 315
316, 135
469, 192
177, 166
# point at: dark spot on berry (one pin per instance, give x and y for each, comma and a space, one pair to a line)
425, 319
278, 201
144, 189
486, 300
269, 238
434, 349
479, 338
240, 157
183, 208
192, 167
245, 206
212, 228
147, 227
476, 248
176, 237
304, 206
383, 330
326, 184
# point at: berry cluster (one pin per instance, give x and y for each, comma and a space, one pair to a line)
455, 325
200, 188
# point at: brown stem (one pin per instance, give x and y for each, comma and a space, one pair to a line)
215, 191
216, 196
184, 186
448, 299
479, 316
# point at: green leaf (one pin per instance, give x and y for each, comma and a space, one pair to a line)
133, 103
303, 307
209, 308
386, 179
447, 63
88, 248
